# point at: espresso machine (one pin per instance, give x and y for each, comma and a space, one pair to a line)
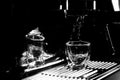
87, 26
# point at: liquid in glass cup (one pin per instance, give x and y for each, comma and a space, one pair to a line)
77, 53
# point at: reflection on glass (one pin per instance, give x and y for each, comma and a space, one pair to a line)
77, 53
35, 35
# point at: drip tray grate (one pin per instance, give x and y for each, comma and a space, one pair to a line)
96, 70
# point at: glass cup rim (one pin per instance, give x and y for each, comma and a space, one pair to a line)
83, 43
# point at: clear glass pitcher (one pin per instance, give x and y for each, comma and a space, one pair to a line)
35, 54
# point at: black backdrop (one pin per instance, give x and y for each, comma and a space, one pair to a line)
19, 17
26, 15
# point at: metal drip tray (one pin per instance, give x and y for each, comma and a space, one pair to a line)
96, 70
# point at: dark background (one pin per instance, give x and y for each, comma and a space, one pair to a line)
21, 16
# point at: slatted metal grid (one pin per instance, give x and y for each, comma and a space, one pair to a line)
94, 70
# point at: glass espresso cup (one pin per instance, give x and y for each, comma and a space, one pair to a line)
77, 53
